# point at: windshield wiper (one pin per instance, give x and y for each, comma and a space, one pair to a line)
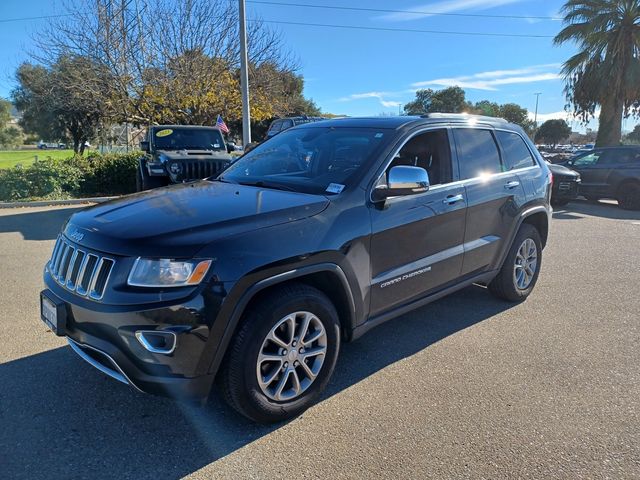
275, 186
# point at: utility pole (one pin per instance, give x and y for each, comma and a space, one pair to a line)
535, 120
244, 77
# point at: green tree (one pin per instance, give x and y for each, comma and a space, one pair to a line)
67, 99
5, 112
606, 69
552, 132
448, 100
634, 136
514, 113
10, 135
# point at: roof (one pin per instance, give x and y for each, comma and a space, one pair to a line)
183, 126
403, 121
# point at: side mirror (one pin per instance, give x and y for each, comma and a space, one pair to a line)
231, 147
403, 180
144, 146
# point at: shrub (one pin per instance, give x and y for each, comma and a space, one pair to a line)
93, 175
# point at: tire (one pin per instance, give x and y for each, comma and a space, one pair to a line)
559, 203
506, 285
284, 306
146, 182
629, 196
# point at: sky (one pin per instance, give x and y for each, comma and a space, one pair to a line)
361, 72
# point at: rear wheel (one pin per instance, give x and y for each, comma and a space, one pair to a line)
520, 270
283, 355
629, 196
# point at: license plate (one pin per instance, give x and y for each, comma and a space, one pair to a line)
49, 313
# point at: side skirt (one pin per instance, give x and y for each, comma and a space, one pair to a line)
373, 322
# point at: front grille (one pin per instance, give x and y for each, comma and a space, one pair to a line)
568, 187
80, 271
198, 169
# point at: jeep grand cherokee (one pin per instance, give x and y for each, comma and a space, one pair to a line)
254, 277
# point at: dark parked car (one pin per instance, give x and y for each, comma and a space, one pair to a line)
181, 153
282, 124
566, 183
314, 237
611, 172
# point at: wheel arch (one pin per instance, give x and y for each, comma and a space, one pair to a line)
329, 278
539, 219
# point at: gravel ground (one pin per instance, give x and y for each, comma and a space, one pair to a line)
468, 387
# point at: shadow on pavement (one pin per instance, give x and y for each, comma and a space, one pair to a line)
41, 225
594, 209
60, 418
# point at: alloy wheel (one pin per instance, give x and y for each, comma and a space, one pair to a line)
526, 264
291, 356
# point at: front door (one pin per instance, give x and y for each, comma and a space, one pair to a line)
594, 170
416, 243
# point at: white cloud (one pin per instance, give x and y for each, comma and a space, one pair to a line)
492, 79
378, 95
449, 6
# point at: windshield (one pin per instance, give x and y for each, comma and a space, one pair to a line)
310, 160
187, 138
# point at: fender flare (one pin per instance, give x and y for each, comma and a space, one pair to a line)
265, 283
523, 216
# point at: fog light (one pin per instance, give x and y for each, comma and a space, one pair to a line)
157, 341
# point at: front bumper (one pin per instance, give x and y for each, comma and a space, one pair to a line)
565, 188
105, 337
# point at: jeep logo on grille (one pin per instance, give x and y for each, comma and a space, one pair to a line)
76, 235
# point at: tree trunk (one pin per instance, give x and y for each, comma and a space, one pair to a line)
610, 124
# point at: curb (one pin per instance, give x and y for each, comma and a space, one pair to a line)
49, 203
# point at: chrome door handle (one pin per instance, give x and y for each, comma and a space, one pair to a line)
451, 199
511, 185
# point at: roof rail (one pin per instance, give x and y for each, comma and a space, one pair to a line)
464, 116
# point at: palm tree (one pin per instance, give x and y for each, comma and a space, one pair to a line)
606, 71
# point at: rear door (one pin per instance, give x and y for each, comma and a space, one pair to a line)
494, 197
416, 243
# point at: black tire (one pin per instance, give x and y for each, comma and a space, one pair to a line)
591, 198
559, 203
629, 196
238, 375
504, 285
146, 182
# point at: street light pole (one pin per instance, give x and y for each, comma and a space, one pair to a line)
244, 76
535, 120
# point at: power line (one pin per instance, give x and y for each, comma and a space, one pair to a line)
405, 30
43, 17
412, 12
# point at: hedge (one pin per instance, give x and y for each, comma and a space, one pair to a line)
90, 176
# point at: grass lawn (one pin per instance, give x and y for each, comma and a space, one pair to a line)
10, 158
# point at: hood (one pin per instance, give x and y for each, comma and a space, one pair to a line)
177, 221
561, 170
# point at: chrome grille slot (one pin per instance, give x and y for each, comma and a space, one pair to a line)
84, 273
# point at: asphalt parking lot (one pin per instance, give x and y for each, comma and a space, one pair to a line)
468, 387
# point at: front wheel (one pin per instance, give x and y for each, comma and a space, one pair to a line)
283, 355
521, 268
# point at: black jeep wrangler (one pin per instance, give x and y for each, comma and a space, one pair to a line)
256, 276
181, 153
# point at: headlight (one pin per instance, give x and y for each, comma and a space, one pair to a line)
167, 273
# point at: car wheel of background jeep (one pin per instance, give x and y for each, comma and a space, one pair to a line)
283, 354
629, 196
146, 182
521, 268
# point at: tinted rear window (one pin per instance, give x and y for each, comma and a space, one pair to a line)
477, 152
516, 152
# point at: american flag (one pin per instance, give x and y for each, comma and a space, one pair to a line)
221, 125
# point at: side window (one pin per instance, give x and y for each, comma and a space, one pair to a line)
587, 160
287, 124
625, 156
516, 153
477, 152
429, 150
275, 126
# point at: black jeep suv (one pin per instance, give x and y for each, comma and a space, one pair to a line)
314, 237
611, 172
282, 124
181, 153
